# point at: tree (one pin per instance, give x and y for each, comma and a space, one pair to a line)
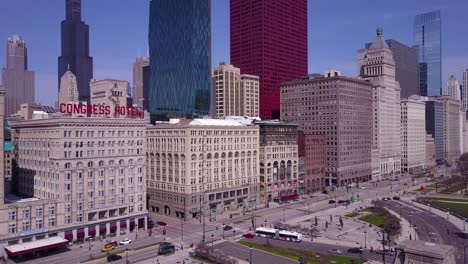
341, 222
463, 164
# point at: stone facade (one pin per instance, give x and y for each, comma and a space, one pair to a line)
413, 136
87, 177
279, 161
376, 65
422, 252
202, 167
68, 89
236, 94
430, 152
340, 109
452, 128
109, 93
312, 149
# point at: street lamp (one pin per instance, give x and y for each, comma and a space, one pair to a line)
365, 239
126, 254
410, 218
250, 251
234, 234
400, 211
212, 240
284, 218
223, 230
415, 227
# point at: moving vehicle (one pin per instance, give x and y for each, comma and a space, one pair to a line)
386, 199
396, 198
356, 250
335, 251
108, 248
227, 228
126, 241
113, 257
248, 236
278, 234
325, 192
113, 242
331, 201
166, 248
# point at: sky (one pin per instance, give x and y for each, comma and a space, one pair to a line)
119, 33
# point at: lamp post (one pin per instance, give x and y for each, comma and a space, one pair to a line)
250, 252
223, 230
284, 217
464, 221
415, 234
136, 234
212, 242
464, 253
234, 234
410, 218
89, 238
400, 211
126, 254
365, 239
448, 213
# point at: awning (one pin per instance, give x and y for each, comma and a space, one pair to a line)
34, 246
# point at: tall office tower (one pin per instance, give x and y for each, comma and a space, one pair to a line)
318, 104
435, 127
453, 88
18, 81
140, 88
376, 64
406, 66
235, 94
464, 90
69, 91
75, 49
413, 136
428, 36
269, 40
2, 147
180, 58
451, 129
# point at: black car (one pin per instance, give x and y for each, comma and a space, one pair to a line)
166, 248
341, 201
331, 201
356, 250
227, 228
396, 198
325, 192
113, 257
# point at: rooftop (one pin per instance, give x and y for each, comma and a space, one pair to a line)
421, 247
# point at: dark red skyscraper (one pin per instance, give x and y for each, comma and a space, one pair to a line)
269, 39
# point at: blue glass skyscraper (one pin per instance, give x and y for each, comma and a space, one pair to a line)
428, 36
180, 56
435, 126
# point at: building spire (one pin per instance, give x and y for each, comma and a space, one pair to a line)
73, 10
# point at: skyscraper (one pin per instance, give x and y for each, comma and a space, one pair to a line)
140, 92
75, 49
453, 88
180, 58
377, 65
428, 36
464, 91
269, 40
17, 79
69, 89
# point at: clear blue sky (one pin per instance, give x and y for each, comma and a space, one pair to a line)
118, 33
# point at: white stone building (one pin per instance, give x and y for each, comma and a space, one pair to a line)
85, 177
202, 167
453, 88
109, 93
413, 136
236, 94
376, 64
452, 128
465, 90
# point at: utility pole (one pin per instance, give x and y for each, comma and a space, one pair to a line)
383, 246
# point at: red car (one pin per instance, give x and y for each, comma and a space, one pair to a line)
248, 236
161, 223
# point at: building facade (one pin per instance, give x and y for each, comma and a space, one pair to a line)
140, 83
235, 94
376, 65
452, 138
202, 167
453, 88
413, 136
406, 66
279, 160
340, 109
312, 149
430, 153
180, 58
87, 177
75, 49
428, 38
269, 40
18, 81
108, 92
69, 89
435, 126
465, 90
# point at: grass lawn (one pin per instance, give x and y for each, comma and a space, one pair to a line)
295, 253
353, 214
376, 220
457, 206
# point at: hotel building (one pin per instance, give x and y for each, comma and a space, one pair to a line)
413, 136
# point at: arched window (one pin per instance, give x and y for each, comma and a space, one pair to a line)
68, 165
130, 161
111, 163
275, 171
101, 163
90, 164
289, 169
79, 165
121, 162
194, 157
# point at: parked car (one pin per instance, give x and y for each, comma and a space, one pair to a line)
113, 257
335, 251
386, 199
108, 248
331, 201
325, 192
166, 248
341, 201
126, 241
161, 223
396, 198
356, 250
227, 228
248, 236
363, 187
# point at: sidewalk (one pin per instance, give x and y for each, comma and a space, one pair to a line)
406, 229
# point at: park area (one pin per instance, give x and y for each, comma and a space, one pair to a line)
458, 207
296, 254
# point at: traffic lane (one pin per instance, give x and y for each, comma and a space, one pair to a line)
433, 228
258, 256
319, 247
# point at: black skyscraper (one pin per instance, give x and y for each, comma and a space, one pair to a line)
75, 49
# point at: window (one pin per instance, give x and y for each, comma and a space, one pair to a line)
52, 210
12, 228
38, 212
39, 223
51, 221
26, 214
26, 225
12, 215
67, 219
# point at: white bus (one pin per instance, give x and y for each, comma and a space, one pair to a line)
278, 234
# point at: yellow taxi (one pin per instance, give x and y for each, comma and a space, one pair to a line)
108, 248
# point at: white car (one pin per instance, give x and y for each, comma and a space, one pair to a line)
125, 241
335, 251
